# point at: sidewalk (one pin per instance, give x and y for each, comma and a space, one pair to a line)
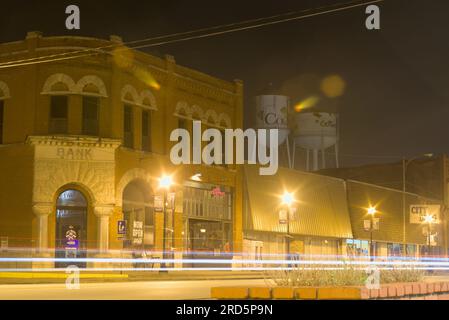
91, 276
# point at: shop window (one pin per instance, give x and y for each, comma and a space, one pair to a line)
146, 130
212, 237
1, 120
213, 202
90, 115
58, 114
128, 127
182, 123
357, 247
394, 250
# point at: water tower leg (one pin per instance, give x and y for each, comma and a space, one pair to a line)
337, 163
323, 158
308, 160
315, 159
288, 153
294, 155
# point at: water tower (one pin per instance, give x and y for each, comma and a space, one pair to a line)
315, 132
271, 113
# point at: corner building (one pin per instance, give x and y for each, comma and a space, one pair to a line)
84, 140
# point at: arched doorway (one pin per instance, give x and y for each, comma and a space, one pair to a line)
71, 227
138, 214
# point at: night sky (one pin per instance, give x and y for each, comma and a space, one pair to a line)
396, 101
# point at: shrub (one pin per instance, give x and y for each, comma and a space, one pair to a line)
338, 275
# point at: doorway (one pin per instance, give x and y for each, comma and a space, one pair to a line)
71, 228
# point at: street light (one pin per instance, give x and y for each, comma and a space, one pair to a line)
287, 198
371, 212
429, 220
165, 182
405, 164
287, 201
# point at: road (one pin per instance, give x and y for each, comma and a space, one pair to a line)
149, 290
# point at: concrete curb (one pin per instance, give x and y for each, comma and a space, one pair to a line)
415, 291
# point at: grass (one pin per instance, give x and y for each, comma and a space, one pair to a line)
346, 275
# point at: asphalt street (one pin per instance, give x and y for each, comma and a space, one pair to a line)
148, 290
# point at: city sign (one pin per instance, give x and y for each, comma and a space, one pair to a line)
418, 212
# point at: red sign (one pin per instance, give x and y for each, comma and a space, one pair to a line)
216, 192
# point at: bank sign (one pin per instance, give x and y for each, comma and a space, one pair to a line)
418, 212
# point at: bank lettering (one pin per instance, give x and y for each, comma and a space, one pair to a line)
74, 153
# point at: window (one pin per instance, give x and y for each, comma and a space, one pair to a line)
182, 123
211, 203
128, 127
58, 114
1, 120
90, 115
146, 130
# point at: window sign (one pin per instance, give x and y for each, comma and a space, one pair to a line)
158, 203
171, 200
282, 216
121, 228
137, 232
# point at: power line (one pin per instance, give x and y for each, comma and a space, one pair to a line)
191, 35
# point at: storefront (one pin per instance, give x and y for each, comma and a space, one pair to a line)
318, 222
207, 220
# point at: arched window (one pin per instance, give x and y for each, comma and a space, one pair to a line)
147, 102
59, 84
91, 86
138, 214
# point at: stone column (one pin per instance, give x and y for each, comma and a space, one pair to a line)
42, 211
103, 214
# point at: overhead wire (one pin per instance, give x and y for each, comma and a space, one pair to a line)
191, 35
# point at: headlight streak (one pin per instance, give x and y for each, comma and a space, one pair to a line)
267, 264
244, 254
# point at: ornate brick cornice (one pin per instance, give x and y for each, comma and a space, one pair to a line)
68, 141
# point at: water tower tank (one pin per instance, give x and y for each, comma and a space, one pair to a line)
271, 113
316, 131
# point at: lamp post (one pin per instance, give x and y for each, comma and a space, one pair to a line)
429, 220
287, 201
405, 164
165, 182
371, 212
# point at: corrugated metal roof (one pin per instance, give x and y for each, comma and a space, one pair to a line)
321, 203
388, 203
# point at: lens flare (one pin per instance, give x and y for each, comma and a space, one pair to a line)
307, 103
333, 86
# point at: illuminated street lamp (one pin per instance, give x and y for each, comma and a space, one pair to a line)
371, 212
287, 201
429, 219
287, 198
165, 182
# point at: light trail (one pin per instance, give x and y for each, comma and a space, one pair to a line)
231, 261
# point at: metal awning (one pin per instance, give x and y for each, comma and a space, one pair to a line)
321, 203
